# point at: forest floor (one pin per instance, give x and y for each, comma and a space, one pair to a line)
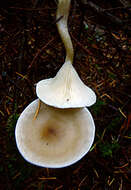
31, 50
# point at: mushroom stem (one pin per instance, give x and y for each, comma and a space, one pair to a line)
63, 12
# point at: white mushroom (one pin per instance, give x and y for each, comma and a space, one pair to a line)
57, 137
65, 90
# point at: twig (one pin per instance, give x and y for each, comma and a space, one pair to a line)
95, 185
104, 12
81, 24
2, 113
48, 173
125, 3
38, 53
47, 178
120, 188
116, 8
82, 181
123, 166
31, 9
81, 46
57, 20
37, 110
96, 173
59, 187
122, 113
17, 87
29, 83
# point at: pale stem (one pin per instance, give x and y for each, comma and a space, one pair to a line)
63, 11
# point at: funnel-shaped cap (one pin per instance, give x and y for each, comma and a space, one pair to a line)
57, 137
65, 90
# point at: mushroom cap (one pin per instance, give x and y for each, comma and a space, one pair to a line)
65, 90
56, 138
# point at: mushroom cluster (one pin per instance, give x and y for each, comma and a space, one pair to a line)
57, 129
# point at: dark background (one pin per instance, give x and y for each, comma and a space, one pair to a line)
31, 50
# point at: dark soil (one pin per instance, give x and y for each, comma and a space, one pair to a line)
31, 50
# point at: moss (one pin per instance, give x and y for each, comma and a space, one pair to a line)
11, 122
107, 149
96, 108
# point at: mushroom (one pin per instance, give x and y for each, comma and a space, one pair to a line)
66, 89
57, 137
